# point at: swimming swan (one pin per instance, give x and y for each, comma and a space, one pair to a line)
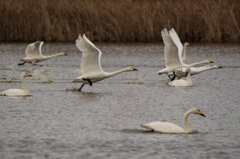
34, 54
18, 92
170, 128
91, 66
183, 83
181, 72
172, 53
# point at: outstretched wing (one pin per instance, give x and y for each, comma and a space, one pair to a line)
91, 55
177, 41
170, 50
34, 49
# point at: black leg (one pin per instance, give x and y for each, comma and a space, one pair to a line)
89, 81
21, 63
173, 76
80, 88
152, 130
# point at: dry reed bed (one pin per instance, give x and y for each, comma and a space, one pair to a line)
120, 21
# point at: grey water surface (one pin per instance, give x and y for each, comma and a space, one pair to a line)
103, 121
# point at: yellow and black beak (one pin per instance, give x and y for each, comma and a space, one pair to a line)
134, 69
29, 75
211, 61
65, 54
219, 66
200, 113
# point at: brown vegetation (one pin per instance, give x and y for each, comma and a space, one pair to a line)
120, 20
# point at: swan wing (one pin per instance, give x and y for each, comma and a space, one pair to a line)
163, 127
34, 50
170, 50
177, 41
91, 55
13, 92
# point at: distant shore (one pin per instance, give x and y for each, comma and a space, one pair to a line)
119, 21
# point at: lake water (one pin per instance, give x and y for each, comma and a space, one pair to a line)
103, 121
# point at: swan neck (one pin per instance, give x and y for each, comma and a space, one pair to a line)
185, 122
189, 80
116, 72
54, 55
197, 63
184, 53
25, 88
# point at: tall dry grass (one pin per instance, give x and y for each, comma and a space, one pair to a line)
120, 20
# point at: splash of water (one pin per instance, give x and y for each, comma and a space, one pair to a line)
43, 74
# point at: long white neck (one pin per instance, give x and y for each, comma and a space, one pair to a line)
189, 80
205, 69
185, 122
198, 63
25, 89
184, 52
115, 72
50, 56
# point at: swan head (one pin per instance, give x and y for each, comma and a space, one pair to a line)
63, 54
217, 66
25, 74
197, 111
186, 43
209, 61
131, 69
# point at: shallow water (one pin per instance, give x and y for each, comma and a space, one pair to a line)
104, 120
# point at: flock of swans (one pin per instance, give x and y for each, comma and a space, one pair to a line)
91, 72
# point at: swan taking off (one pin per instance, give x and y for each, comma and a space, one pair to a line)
170, 128
34, 54
183, 83
173, 53
18, 92
181, 72
91, 66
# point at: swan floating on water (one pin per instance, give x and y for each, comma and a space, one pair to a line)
183, 83
34, 54
173, 53
18, 92
91, 70
170, 128
181, 72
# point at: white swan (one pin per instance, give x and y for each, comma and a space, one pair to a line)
181, 72
91, 66
183, 83
34, 54
173, 53
170, 128
18, 92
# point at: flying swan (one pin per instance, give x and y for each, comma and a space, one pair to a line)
18, 92
181, 72
34, 54
183, 83
91, 70
173, 53
170, 128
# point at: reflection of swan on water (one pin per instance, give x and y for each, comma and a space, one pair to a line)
91, 70
173, 53
170, 128
18, 92
34, 54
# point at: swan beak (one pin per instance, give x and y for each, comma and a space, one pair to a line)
219, 66
134, 69
65, 54
211, 62
203, 115
29, 75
